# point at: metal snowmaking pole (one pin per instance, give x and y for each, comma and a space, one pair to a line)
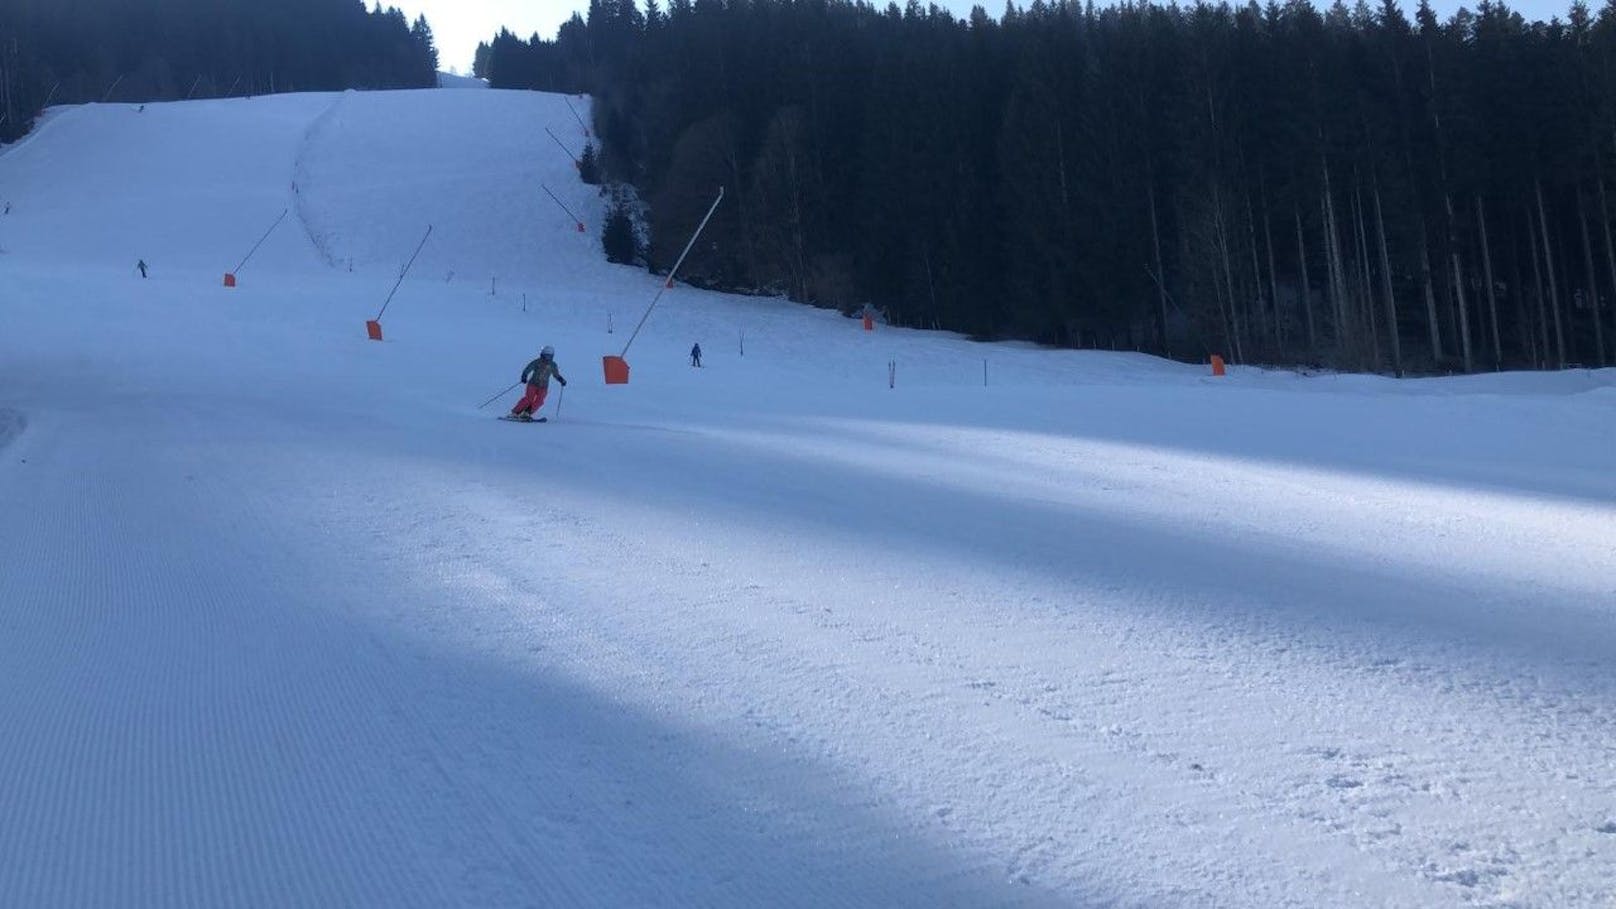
575, 219
578, 118
674, 271
261, 240
564, 147
401, 274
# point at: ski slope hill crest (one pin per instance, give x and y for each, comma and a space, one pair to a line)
842, 617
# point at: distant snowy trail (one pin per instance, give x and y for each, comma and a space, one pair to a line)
285, 619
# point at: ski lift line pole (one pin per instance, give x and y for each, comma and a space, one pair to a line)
674, 271
563, 205
563, 146
114, 87
388, 302
261, 240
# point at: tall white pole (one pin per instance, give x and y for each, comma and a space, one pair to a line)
669, 282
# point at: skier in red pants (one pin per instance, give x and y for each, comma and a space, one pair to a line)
537, 376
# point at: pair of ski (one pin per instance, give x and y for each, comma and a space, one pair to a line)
510, 419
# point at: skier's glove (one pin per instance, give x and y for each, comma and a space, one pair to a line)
562, 381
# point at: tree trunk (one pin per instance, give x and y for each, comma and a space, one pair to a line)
1458, 279
1262, 333
1492, 294
1523, 315
1464, 314
1593, 283
1542, 355
1161, 273
1554, 289
1430, 295
1390, 300
1232, 310
1332, 279
1307, 295
1273, 277
1332, 250
1604, 220
1366, 293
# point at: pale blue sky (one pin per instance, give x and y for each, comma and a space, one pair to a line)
459, 24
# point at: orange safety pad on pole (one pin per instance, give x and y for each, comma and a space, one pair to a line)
616, 370
1217, 365
869, 323
229, 279
374, 329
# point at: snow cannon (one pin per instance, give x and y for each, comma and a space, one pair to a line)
616, 370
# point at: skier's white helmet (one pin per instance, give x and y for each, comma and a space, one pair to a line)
548, 351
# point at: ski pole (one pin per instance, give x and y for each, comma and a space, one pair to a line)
560, 396
501, 394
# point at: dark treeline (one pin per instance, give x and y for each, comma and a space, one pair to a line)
1275, 183
74, 51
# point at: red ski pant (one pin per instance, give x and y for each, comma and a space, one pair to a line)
532, 401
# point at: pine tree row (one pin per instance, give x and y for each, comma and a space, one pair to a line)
77, 51
1278, 184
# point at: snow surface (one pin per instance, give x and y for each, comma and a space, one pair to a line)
455, 80
285, 619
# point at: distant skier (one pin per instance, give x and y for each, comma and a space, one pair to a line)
537, 376
142, 266
695, 355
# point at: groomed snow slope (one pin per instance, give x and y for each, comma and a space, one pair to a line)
286, 620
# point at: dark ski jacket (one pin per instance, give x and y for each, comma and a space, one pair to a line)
539, 372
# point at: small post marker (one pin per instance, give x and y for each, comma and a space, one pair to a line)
1217, 365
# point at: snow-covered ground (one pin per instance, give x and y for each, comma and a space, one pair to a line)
285, 619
